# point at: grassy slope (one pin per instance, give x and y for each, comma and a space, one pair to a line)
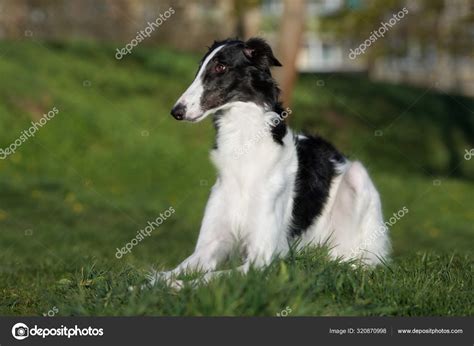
112, 159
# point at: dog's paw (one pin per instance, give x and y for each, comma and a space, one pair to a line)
154, 277
176, 285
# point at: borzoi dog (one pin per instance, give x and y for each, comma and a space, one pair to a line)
274, 187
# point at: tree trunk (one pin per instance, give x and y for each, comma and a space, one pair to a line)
289, 42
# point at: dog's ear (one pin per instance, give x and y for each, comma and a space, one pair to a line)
259, 52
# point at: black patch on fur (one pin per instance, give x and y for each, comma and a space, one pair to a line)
279, 131
316, 170
215, 122
247, 78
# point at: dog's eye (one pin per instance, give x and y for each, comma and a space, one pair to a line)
220, 68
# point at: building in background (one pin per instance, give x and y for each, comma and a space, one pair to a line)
419, 64
447, 63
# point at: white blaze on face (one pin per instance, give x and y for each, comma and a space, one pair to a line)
192, 96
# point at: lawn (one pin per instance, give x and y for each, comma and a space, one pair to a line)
113, 159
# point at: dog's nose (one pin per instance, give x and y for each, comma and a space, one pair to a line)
178, 111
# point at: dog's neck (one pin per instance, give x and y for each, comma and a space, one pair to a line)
245, 132
240, 122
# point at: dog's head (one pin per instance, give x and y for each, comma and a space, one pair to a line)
231, 71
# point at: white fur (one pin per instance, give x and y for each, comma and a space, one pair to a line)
251, 202
351, 219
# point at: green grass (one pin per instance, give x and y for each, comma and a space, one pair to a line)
113, 159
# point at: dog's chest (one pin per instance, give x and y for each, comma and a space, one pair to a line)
256, 174
248, 172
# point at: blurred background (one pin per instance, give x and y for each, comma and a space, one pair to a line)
113, 158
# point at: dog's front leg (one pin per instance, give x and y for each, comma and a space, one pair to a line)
268, 237
213, 245
266, 241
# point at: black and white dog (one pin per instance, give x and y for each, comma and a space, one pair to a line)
273, 186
